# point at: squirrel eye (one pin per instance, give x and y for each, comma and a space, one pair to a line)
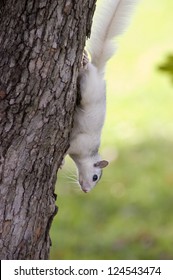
95, 177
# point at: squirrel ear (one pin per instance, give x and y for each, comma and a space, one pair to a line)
101, 164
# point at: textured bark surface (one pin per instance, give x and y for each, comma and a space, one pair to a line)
41, 44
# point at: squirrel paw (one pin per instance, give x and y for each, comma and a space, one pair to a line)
85, 60
62, 163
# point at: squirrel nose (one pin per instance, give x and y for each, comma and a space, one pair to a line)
85, 190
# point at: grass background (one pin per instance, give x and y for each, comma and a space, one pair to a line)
129, 214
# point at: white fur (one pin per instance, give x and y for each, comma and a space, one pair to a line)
90, 114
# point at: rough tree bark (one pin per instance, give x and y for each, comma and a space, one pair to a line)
41, 44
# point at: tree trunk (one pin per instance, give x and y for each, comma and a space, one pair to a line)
41, 45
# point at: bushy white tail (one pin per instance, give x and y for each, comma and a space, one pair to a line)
110, 19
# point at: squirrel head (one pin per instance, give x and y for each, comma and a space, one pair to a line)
89, 173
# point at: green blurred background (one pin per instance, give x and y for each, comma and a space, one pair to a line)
129, 213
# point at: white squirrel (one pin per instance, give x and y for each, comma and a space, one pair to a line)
89, 116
